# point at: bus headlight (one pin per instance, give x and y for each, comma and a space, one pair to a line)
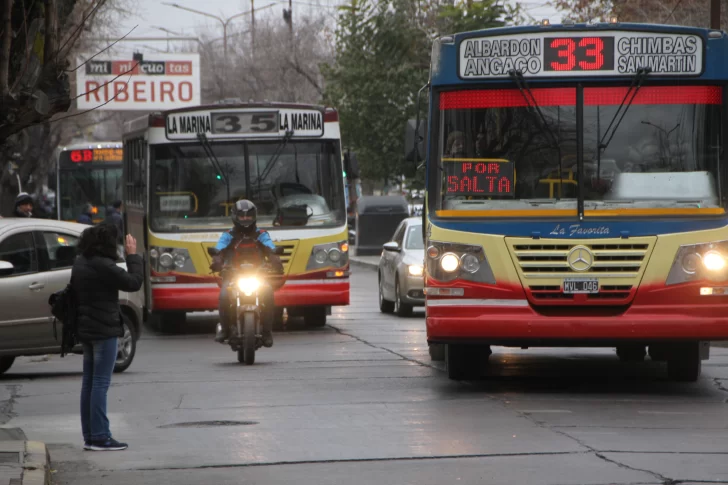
248, 285
713, 261
164, 260
329, 255
693, 262
449, 262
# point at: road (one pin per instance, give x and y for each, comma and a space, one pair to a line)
360, 402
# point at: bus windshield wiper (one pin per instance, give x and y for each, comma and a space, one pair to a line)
214, 161
279, 149
634, 88
534, 108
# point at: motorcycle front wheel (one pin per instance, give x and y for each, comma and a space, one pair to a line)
248, 338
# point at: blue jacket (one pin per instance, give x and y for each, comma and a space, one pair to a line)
227, 237
85, 219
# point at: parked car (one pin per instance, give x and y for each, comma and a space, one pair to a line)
401, 269
36, 257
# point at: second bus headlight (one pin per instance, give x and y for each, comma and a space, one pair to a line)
713, 261
449, 262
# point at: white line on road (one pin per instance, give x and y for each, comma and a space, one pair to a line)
666, 413
545, 411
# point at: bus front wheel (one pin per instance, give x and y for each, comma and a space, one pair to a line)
684, 363
464, 362
315, 316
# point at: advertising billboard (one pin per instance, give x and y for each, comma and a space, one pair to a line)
138, 83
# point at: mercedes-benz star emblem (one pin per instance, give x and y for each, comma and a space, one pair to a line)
580, 258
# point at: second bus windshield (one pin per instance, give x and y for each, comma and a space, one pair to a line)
299, 185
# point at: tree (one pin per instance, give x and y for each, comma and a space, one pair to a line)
382, 60
694, 13
37, 41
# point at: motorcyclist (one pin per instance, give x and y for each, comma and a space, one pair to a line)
245, 242
23, 205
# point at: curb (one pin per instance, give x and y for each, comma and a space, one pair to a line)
363, 264
36, 464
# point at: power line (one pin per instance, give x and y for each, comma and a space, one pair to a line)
672, 11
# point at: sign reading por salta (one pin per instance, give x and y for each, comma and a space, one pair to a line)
143, 83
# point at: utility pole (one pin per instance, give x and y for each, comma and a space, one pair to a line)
715, 14
290, 18
252, 23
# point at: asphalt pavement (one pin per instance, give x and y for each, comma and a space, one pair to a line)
360, 402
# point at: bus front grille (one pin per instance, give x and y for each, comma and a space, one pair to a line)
552, 260
289, 250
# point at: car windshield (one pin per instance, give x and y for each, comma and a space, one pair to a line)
87, 185
414, 237
297, 185
496, 153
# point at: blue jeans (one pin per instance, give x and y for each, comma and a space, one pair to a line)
99, 358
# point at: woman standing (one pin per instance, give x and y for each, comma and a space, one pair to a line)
96, 281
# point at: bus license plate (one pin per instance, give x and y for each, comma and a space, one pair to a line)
581, 285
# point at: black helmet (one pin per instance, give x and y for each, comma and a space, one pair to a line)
244, 214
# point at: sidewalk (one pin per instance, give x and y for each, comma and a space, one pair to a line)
23, 462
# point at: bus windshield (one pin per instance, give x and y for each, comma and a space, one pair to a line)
98, 186
293, 184
496, 152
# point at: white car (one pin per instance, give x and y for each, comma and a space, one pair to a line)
36, 257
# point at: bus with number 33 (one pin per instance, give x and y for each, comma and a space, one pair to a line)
576, 192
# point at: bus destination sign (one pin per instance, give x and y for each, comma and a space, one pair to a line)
485, 177
231, 123
91, 155
608, 53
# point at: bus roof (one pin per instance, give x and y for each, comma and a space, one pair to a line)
670, 51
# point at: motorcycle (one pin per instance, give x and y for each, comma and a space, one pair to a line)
245, 335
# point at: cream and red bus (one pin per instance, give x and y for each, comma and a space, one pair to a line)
185, 168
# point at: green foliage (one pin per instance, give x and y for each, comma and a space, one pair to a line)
382, 60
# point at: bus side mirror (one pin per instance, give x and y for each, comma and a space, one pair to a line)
414, 141
351, 165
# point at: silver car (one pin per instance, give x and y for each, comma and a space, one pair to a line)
36, 257
401, 280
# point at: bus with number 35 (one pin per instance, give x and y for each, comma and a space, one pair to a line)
576, 192
183, 171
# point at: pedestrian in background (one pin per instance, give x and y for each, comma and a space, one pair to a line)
23, 205
113, 216
86, 216
96, 281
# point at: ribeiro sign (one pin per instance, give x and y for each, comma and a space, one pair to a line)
166, 81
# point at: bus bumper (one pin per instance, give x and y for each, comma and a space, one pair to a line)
318, 292
514, 321
204, 296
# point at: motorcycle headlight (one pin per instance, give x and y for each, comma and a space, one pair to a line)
248, 285
694, 262
449, 261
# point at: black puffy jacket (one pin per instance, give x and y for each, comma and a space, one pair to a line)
96, 282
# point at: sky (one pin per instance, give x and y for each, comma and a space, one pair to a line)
150, 14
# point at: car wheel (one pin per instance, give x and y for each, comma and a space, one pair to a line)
6, 363
385, 306
402, 309
126, 347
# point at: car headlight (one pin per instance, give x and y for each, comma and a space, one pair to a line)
415, 270
329, 255
248, 285
450, 261
694, 262
164, 260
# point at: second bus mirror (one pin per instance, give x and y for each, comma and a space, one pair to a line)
414, 141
